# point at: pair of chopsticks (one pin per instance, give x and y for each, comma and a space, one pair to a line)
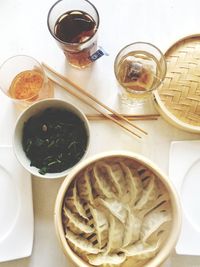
114, 116
129, 117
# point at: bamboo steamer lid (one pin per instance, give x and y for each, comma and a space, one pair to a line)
178, 97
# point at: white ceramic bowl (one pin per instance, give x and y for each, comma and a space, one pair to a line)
174, 231
33, 110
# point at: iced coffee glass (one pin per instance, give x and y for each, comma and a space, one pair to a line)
22, 78
139, 69
74, 25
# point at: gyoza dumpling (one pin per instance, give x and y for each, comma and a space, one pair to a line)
141, 251
116, 234
133, 184
132, 228
155, 222
150, 194
101, 226
101, 182
80, 244
74, 203
84, 186
75, 223
116, 174
144, 173
132, 262
161, 198
104, 259
114, 206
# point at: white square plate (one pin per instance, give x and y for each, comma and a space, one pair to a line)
16, 208
184, 171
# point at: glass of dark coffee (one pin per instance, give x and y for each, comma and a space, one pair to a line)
74, 25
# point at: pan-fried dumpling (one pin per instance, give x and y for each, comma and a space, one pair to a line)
141, 250
133, 184
115, 207
161, 198
104, 259
144, 173
79, 243
155, 222
101, 226
101, 182
132, 262
116, 234
84, 186
149, 195
115, 172
132, 229
74, 203
76, 224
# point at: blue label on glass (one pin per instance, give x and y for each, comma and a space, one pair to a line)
99, 53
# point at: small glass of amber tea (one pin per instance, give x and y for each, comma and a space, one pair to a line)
139, 68
22, 78
74, 25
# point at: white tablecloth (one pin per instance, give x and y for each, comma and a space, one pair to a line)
23, 30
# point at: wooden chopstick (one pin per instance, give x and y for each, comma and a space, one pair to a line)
92, 97
96, 108
130, 117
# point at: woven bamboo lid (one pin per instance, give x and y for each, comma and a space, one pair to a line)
178, 98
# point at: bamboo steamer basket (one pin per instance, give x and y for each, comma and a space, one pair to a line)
169, 244
178, 97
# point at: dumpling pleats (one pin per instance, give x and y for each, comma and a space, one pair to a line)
116, 234
84, 186
155, 222
101, 182
81, 244
76, 224
149, 195
115, 207
141, 251
106, 260
101, 226
132, 229
133, 184
75, 204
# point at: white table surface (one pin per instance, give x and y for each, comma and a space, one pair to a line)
23, 30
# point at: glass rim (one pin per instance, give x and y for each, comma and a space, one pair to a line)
67, 43
143, 43
37, 62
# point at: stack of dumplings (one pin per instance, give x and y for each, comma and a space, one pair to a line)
116, 213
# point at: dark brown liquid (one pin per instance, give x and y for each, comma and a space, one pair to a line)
75, 27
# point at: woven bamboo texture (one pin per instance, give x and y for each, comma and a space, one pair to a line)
180, 91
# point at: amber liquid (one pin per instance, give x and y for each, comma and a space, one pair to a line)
76, 28
29, 86
138, 73
26, 85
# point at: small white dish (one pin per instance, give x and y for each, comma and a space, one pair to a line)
184, 171
16, 208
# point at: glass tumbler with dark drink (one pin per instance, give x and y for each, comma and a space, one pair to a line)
74, 25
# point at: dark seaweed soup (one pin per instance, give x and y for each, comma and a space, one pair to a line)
54, 140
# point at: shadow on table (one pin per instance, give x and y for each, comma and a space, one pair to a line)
16, 263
